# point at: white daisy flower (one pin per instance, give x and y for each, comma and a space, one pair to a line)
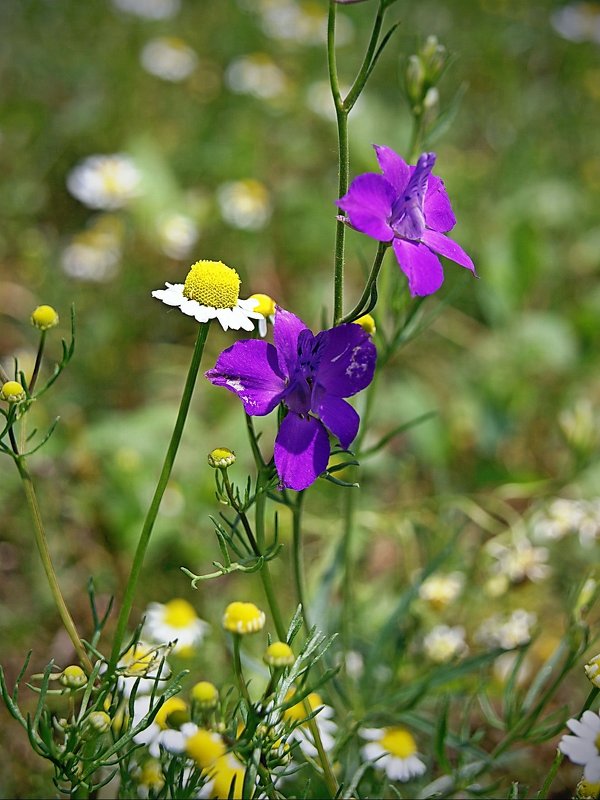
174, 622
177, 235
169, 58
584, 747
149, 9
256, 74
144, 666
94, 254
165, 730
507, 633
149, 777
266, 307
301, 733
519, 559
225, 771
394, 750
105, 182
211, 291
441, 590
244, 204
444, 643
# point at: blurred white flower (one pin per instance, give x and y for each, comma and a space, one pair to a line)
94, 254
393, 750
149, 9
507, 633
301, 22
176, 623
564, 517
301, 733
519, 559
444, 643
105, 182
169, 58
582, 748
165, 730
578, 22
440, 590
256, 74
579, 425
177, 234
244, 204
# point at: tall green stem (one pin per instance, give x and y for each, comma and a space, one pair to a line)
265, 573
298, 557
42, 546
163, 480
362, 307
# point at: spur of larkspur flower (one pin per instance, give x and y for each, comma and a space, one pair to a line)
584, 747
408, 207
310, 375
211, 290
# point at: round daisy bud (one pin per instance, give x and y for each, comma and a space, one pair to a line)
99, 721
243, 618
586, 790
592, 670
73, 677
265, 304
12, 392
279, 654
221, 458
367, 323
205, 694
44, 317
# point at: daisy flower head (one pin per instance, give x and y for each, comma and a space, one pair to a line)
440, 590
394, 750
211, 291
149, 778
407, 207
105, 181
170, 728
584, 746
519, 560
169, 58
226, 779
245, 204
444, 643
176, 623
144, 665
243, 618
266, 307
177, 235
301, 733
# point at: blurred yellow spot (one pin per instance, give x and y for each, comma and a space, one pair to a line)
179, 613
398, 742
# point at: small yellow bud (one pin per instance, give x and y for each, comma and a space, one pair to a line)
279, 654
12, 392
243, 618
73, 677
205, 694
367, 323
585, 790
44, 317
99, 721
266, 304
221, 458
592, 670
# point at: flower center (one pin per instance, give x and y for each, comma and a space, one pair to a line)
167, 708
213, 284
179, 613
205, 748
398, 742
298, 713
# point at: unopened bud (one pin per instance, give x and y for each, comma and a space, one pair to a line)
431, 105
12, 392
206, 695
415, 79
44, 317
221, 457
279, 654
434, 57
99, 721
73, 677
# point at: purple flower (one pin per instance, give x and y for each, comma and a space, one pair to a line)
409, 207
310, 375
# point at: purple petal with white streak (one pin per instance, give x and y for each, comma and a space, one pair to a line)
286, 330
421, 267
448, 247
250, 369
347, 359
301, 451
368, 204
338, 416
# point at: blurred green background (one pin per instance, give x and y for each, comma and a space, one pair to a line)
228, 120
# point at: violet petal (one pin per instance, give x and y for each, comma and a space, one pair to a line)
250, 369
347, 359
448, 247
438, 211
421, 267
286, 330
339, 417
395, 169
368, 204
301, 451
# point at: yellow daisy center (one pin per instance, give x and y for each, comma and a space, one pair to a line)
213, 284
151, 775
167, 708
226, 770
179, 613
205, 748
398, 742
298, 713
139, 660
266, 304
243, 618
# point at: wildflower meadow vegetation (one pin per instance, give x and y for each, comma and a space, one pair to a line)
299, 391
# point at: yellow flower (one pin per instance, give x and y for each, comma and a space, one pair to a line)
12, 392
225, 771
279, 654
44, 317
243, 618
205, 747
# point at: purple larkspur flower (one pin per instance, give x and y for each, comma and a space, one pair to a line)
409, 207
310, 375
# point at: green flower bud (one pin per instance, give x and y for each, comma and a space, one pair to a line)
72, 677
415, 79
221, 457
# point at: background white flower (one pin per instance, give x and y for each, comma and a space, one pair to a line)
149, 9
105, 181
175, 621
169, 58
583, 747
443, 643
245, 204
394, 750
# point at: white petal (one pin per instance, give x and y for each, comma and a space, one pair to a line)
262, 327
591, 771
371, 733
204, 314
372, 751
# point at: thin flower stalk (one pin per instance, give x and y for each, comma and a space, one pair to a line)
163, 480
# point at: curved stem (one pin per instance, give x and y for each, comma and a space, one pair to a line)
42, 546
328, 774
365, 69
163, 480
265, 573
38, 362
298, 557
361, 307
237, 668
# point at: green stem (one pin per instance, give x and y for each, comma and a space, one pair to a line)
42, 546
328, 775
362, 306
163, 480
298, 557
38, 362
365, 69
347, 594
240, 512
237, 668
265, 573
